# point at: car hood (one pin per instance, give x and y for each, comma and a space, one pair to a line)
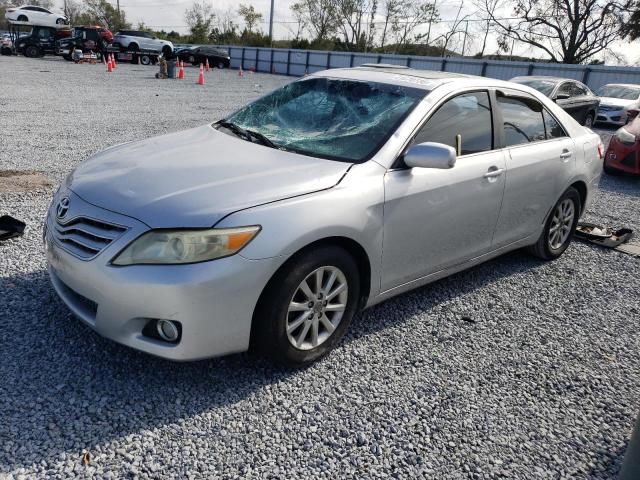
196, 177
616, 102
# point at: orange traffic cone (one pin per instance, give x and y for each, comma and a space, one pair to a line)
113, 61
181, 71
206, 65
240, 72
201, 76
109, 66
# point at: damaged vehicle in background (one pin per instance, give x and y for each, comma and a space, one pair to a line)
571, 95
616, 101
623, 153
324, 197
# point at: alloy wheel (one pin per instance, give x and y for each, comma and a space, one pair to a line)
561, 223
317, 307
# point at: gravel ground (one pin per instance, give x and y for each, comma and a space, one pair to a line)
515, 369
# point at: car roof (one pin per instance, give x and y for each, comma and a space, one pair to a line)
424, 79
634, 85
545, 77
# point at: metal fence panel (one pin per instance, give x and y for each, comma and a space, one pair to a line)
298, 62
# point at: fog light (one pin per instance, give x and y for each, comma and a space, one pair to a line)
167, 330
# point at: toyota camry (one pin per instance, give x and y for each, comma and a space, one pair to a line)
269, 229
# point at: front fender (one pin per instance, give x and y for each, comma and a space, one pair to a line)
352, 209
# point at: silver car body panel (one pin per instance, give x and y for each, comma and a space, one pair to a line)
413, 225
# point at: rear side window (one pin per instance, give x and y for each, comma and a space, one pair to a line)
467, 115
552, 126
579, 90
522, 121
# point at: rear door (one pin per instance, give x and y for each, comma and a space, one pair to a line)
540, 162
567, 104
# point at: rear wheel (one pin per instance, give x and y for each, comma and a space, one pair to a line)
32, 51
559, 228
307, 307
134, 47
221, 65
145, 59
166, 51
589, 119
67, 58
23, 18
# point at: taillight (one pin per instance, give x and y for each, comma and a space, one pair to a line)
600, 150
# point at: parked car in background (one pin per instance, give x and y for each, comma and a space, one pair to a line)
93, 39
571, 95
135, 40
271, 228
199, 54
40, 41
35, 15
615, 101
623, 153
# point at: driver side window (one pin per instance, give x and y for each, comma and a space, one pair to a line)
467, 115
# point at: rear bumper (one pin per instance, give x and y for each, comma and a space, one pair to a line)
623, 158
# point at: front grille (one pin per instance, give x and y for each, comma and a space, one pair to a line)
85, 237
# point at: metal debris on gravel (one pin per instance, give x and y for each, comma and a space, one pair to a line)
543, 381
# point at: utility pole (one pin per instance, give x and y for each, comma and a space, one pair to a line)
271, 25
464, 42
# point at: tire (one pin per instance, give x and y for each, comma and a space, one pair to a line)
23, 18
145, 59
133, 47
589, 120
166, 51
191, 60
31, 51
273, 315
221, 65
67, 58
549, 246
60, 21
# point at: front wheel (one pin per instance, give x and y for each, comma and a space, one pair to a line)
307, 307
60, 21
32, 51
559, 228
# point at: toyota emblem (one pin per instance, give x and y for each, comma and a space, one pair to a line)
63, 207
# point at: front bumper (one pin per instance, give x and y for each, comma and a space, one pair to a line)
623, 157
214, 301
613, 117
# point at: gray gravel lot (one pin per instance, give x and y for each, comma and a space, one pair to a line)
543, 381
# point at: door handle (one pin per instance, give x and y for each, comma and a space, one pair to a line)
565, 155
494, 172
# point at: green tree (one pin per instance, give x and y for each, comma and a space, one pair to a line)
249, 15
199, 18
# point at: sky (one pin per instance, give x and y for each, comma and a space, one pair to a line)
169, 15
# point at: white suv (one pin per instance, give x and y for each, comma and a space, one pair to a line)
137, 40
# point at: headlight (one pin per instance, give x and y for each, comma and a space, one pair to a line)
185, 246
625, 136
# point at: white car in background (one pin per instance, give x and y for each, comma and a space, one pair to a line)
34, 15
135, 40
615, 101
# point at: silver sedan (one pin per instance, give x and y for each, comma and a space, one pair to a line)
270, 229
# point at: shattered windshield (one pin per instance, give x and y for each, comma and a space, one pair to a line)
330, 118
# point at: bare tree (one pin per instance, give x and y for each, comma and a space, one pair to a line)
569, 31
301, 21
391, 10
488, 9
356, 20
453, 28
413, 14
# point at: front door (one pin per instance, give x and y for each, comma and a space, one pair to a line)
433, 218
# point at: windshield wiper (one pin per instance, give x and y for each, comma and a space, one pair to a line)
248, 134
263, 139
239, 131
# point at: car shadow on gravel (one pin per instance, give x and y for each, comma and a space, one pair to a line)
67, 388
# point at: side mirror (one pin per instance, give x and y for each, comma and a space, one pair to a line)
562, 96
430, 155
